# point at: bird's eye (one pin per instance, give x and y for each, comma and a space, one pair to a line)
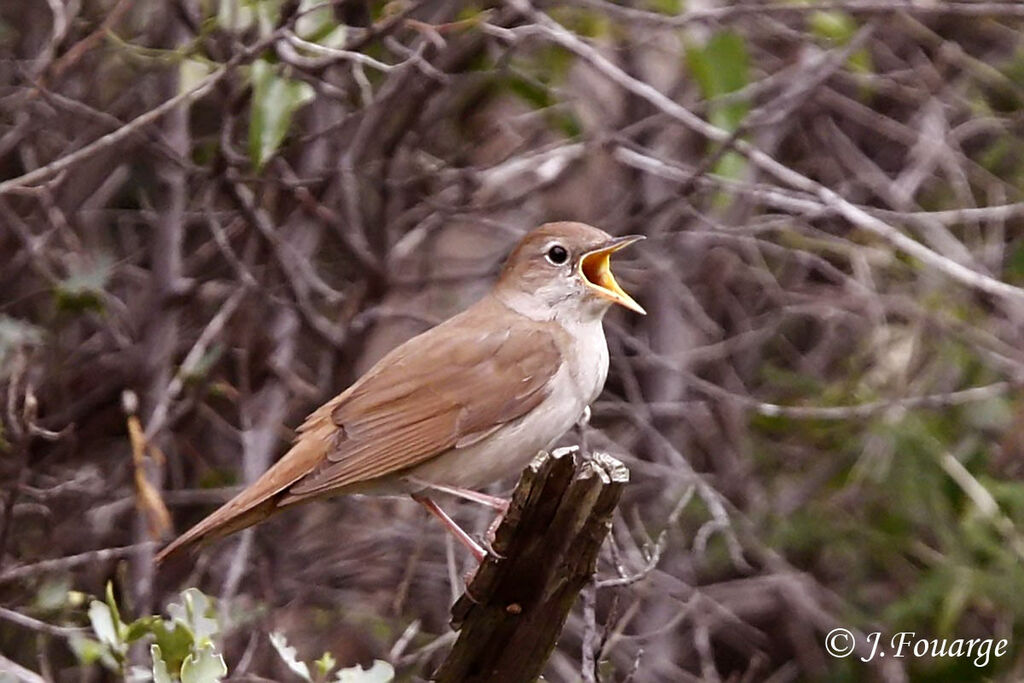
557, 255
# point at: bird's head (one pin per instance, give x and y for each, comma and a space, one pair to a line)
563, 271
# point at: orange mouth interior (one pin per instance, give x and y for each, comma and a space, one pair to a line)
597, 272
597, 269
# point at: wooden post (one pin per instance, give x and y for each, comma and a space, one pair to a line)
544, 552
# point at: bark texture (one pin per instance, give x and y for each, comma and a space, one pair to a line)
544, 553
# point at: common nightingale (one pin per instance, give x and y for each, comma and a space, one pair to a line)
463, 404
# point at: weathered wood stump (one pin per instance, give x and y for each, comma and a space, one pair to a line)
544, 552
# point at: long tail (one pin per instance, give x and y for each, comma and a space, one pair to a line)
264, 496
221, 523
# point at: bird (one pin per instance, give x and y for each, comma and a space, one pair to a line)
463, 404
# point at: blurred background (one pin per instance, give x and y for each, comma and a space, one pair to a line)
215, 214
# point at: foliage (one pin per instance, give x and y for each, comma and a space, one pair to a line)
181, 647
379, 672
275, 99
721, 67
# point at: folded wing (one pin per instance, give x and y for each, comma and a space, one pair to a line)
429, 399
443, 389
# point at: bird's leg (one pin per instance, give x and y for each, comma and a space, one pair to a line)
494, 502
449, 523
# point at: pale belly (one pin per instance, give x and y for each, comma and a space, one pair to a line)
509, 449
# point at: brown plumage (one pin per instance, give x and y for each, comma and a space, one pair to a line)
440, 408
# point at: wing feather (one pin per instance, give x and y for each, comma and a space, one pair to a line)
435, 395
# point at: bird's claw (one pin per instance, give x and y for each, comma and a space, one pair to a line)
487, 543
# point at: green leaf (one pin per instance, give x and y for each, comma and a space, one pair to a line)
994, 414
669, 7
206, 666
201, 614
87, 650
288, 655
195, 612
860, 62
52, 593
160, 674
139, 628
1014, 269
731, 165
319, 25
235, 15
839, 28
832, 25
955, 601
275, 100
380, 672
175, 640
267, 14
582, 22
721, 67
191, 72
83, 289
105, 626
325, 664
112, 604
199, 372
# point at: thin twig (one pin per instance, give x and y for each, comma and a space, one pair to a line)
555, 32
64, 563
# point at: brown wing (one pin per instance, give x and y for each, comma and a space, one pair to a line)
431, 394
446, 393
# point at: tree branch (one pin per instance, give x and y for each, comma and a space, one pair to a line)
543, 554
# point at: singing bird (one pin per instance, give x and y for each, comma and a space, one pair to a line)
463, 404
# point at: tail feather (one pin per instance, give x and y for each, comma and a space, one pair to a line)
216, 526
262, 498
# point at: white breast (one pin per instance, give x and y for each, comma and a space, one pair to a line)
589, 362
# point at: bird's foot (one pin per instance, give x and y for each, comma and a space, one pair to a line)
488, 545
492, 530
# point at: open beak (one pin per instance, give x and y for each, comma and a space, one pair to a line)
595, 267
